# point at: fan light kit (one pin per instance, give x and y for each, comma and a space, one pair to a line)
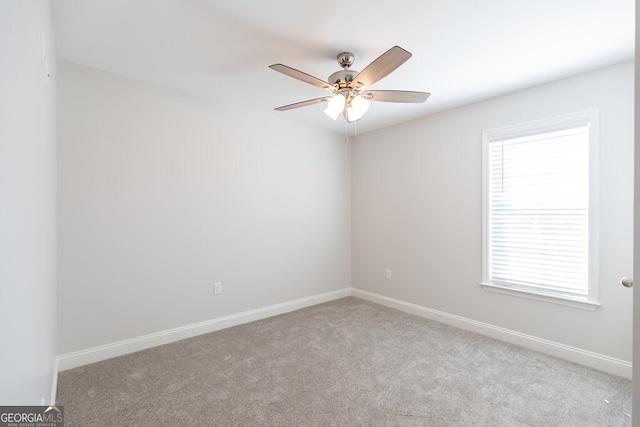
347, 86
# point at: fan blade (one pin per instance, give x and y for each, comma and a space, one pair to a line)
381, 67
303, 103
396, 96
296, 74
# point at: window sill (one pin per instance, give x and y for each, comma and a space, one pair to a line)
554, 299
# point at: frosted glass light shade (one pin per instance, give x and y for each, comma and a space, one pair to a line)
335, 106
358, 107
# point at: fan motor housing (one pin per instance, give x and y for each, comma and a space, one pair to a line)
342, 78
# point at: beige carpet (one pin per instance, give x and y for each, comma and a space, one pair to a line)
344, 363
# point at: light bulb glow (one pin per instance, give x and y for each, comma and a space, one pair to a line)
335, 106
356, 110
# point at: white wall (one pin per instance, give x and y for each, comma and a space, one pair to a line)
636, 230
416, 209
162, 193
27, 204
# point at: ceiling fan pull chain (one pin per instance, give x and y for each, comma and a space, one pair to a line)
346, 132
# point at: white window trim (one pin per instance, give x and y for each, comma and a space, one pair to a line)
535, 127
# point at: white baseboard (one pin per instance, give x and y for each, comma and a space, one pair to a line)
54, 384
594, 360
120, 348
84, 357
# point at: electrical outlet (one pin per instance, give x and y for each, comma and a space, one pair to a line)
217, 288
387, 274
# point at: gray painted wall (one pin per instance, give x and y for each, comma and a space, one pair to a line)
27, 204
161, 194
417, 210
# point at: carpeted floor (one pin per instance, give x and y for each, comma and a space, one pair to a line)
344, 363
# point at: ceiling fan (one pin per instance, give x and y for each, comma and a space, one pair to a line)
348, 87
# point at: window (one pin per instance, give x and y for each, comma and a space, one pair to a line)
539, 200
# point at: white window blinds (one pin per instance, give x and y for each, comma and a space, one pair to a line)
537, 211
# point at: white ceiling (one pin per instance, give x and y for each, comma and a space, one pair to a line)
463, 50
